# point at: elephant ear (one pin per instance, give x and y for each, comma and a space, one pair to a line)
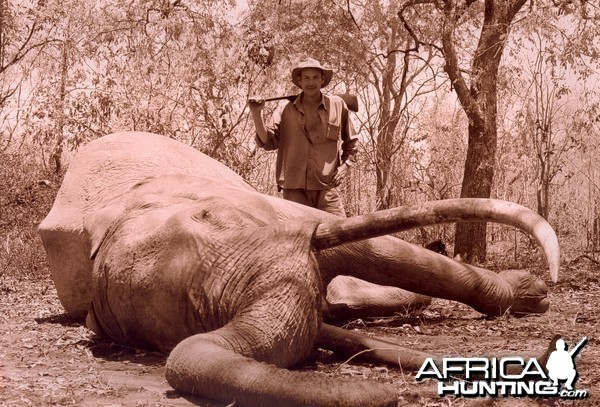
97, 224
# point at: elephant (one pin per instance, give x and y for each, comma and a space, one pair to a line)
159, 246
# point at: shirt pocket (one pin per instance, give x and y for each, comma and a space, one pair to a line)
333, 132
334, 123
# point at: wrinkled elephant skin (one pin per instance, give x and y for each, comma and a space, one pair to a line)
163, 247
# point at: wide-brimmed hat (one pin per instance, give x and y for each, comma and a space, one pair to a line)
311, 63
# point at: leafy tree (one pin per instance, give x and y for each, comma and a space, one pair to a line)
146, 65
395, 81
25, 31
473, 72
477, 94
58, 85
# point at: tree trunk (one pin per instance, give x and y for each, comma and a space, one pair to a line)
60, 124
543, 191
386, 128
479, 102
391, 105
470, 239
544, 156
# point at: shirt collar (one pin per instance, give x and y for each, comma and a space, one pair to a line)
298, 102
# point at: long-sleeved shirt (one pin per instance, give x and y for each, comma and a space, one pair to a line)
305, 162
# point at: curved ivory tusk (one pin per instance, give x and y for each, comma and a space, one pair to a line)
380, 223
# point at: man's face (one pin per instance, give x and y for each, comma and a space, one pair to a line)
311, 80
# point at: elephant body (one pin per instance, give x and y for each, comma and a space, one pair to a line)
162, 247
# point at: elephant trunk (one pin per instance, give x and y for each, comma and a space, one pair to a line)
201, 367
337, 232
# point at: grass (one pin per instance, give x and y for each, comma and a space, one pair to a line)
26, 196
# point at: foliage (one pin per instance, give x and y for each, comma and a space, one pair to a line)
73, 71
24, 201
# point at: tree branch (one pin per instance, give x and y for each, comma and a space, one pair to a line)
409, 29
3, 98
452, 67
351, 15
24, 49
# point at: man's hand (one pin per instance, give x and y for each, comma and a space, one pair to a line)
342, 170
256, 104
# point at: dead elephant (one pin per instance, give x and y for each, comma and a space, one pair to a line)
162, 247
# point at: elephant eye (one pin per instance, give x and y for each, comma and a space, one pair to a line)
201, 215
142, 182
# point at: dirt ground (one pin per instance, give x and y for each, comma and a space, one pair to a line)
46, 359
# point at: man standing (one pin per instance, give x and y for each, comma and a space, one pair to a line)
314, 139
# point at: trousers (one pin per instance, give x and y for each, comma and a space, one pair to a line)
327, 200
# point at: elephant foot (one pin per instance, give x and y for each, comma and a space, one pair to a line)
529, 293
349, 297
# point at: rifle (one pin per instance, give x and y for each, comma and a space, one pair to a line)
350, 99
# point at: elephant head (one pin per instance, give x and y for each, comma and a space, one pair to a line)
208, 266
173, 252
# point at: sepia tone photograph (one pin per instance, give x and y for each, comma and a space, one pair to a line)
299, 203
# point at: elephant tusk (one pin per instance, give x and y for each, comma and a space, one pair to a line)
342, 231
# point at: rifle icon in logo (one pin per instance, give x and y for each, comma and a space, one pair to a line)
561, 364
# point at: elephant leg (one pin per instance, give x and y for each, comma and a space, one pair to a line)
392, 262
349, 297
389, 261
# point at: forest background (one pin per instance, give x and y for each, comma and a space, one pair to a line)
72, 71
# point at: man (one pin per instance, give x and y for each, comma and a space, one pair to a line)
314, 139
